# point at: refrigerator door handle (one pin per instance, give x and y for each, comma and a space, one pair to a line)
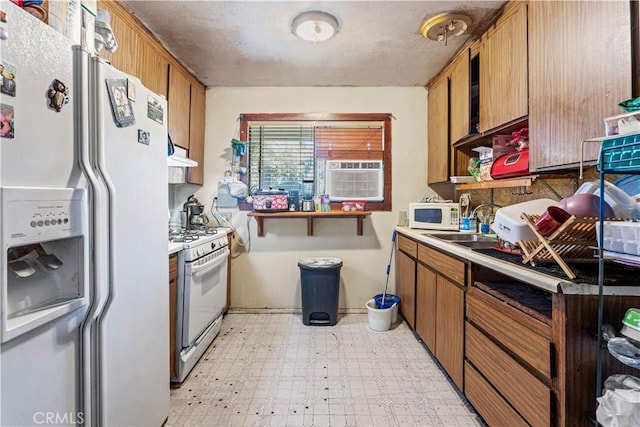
90, 365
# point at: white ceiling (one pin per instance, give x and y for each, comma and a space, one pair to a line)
249, 43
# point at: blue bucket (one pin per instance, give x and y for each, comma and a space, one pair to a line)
389, 301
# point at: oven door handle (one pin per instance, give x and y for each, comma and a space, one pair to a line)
210, 265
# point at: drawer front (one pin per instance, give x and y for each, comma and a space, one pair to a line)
442, 264
408, 246
494, 410
502, 325
528, 395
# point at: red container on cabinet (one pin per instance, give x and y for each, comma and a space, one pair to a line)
511, 165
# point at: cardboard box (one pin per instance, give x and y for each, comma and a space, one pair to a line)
65, 17
486, 161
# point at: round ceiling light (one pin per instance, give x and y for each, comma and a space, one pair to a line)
442, 26
314, 26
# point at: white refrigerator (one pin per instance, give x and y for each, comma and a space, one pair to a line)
83, 224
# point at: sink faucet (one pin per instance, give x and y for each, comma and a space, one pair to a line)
485, 221
483, 205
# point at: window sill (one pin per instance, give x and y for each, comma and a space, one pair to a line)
310, 216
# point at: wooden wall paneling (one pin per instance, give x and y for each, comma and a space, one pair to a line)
179, 105
576, 76
426, 306
196, 134
438, 148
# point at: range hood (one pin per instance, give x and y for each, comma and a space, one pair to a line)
179, 159
181, 162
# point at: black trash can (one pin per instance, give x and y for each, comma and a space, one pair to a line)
320, 279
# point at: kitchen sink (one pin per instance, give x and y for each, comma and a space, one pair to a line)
468, 240
464, 237
483, 244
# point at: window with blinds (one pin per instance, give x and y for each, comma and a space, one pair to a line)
281, 156
290, 151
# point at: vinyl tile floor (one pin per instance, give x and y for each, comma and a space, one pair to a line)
271, 370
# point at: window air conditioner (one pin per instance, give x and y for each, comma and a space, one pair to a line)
355, 180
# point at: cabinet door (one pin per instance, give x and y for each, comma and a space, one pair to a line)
179, 105
426, 306
459, 88
153, 68
579, 69
196, 134
503, 70
438, 131
406, 286
450, 328
125, 58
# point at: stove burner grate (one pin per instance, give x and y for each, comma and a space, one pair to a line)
184, 235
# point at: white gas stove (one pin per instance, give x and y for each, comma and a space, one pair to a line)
197, 243
201, 293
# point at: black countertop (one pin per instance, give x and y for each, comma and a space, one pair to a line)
615, 274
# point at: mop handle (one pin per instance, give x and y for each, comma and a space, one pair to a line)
393, 244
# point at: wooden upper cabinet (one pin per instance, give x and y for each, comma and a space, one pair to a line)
459, 87
196, 134
153, 68
179, 105
503, 69
125, 58
579, 70
438, 131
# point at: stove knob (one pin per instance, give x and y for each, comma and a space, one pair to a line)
213, 245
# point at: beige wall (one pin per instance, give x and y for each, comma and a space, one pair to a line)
265, 274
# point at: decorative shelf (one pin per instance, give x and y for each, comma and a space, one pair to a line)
310, 216
498, 183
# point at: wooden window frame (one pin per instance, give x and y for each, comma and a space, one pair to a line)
385, 205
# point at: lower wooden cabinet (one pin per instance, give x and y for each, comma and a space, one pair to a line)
529, 396
440, 308
173, 302
488, 402
450, 328
426, 303
520, 354
508, 346
406, 278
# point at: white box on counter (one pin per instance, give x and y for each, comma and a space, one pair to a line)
511, 228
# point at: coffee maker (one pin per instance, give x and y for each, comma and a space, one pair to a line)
194, 212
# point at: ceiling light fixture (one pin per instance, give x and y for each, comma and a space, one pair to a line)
441, 27
315, 26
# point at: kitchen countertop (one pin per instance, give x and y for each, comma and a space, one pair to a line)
522, 273
174, 247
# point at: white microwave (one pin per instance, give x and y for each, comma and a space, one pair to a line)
434, 215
